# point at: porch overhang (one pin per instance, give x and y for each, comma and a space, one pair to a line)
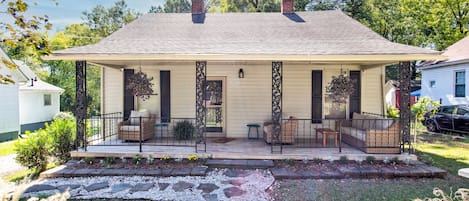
359, 58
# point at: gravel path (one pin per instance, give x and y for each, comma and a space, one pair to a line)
8, 166
219, 184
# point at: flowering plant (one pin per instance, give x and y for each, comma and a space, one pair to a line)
140, 85
340, 88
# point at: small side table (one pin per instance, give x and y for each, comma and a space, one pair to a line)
325, 134
256, 126
161, 126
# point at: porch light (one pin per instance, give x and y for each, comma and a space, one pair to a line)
241, 73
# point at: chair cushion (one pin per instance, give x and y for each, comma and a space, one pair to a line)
357, 121
130, 128
354, 132
135, 117
268, 129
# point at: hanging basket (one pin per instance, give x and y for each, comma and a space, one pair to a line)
340, 88
141, 85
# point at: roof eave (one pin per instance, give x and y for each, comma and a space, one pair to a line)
443, 64
246, 57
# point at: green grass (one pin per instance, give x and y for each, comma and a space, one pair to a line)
363, 190
444, 151
7, 148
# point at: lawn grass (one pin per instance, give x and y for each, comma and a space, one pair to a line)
365, 189
7, 148
444, 151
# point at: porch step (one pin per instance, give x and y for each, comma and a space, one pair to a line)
248, 164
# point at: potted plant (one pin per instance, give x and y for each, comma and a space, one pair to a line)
339, 90
183, 130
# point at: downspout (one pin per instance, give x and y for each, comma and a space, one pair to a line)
383, 95
103, 110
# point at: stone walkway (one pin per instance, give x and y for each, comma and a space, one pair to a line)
219, 184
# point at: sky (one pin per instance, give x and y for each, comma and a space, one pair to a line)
70, 11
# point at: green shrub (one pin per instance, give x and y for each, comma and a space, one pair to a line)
392, 112
183, 130
33, 151
62, 135
370, 159
110, 160
343, 159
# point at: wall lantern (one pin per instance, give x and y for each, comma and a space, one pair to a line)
241, 73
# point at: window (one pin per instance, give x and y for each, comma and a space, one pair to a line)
432, 83
47, 100
462, 112
316, 99
448, 110
460, 84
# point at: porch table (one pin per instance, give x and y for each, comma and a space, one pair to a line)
325, 134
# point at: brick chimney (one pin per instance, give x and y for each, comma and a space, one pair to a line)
198, 6
287, 6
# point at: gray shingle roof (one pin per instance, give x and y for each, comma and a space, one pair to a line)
303, 33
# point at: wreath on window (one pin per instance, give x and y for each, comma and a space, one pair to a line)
340, 88
141, 85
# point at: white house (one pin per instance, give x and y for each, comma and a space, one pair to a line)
27, 104
227, 70
39, 101
445, 80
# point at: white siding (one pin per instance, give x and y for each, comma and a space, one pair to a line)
9, 108
32, 108
249, 99
113, 94
444, 78
372, 89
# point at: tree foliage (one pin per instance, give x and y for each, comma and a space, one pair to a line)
172, 6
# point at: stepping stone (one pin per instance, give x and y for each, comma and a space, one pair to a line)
163, 186
142, 187
97, 186
236, 173
120, 187
225, 163
464, 172
369, 172
114, 172
207, 187
331, 174
237, 182
39, 187
233, 191
63, 188
436, 172
181, 172
210, 197
387, 172
166, 172
181, 186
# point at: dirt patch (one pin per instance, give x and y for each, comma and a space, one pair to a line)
322, 165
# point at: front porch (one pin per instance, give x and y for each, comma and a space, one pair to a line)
239, 148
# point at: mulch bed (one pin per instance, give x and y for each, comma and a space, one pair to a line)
323, 165
130, 163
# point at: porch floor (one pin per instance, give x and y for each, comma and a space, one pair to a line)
235, 149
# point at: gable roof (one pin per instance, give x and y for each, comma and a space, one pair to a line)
301, 33
38, 85
456, 54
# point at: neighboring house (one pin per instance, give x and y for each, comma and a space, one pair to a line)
445, 80
9, 96
39, 101
253, 67
27, 104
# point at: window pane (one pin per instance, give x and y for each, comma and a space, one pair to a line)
47, 99
460, 91
432, 83
460, 78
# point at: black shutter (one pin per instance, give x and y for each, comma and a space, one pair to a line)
355, 97
128, 97
165, 94
316, 99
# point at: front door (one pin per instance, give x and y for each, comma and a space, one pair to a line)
215, 102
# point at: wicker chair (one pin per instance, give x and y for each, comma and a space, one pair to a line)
287, 133
129, 130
